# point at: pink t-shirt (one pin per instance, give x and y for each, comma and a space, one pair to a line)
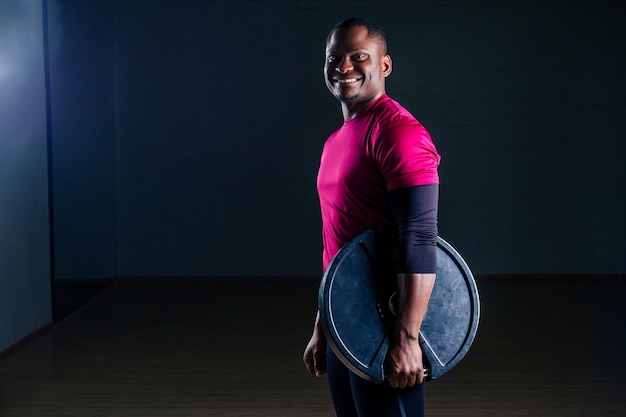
382, 149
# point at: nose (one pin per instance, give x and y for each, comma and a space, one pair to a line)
344, 66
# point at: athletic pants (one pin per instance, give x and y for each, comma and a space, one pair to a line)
353, 396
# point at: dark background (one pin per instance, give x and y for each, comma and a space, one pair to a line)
182, 138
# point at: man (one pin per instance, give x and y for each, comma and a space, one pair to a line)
378, 171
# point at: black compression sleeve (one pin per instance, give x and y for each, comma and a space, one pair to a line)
415, 210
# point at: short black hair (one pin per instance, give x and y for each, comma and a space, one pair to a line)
373, 29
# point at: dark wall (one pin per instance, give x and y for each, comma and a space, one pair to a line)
80, 39
220, 113
24, 226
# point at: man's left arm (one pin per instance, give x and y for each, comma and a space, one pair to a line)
415, 210
404, 361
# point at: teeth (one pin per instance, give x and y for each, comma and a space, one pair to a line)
347, 80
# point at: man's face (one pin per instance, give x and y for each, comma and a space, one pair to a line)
356, 66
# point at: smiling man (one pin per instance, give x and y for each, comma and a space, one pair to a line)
356, 67
378, 171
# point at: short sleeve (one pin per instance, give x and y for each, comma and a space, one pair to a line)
405, 154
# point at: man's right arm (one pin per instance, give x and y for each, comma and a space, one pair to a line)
315, 352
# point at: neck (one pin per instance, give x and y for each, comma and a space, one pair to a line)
351, 110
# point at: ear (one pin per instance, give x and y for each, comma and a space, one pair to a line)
387, 66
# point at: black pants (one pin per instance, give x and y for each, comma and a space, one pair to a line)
355, 397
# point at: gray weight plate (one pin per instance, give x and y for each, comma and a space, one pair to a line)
356, 300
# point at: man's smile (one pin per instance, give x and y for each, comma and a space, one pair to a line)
347, 80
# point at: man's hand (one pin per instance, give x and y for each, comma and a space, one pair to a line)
404, 363
315, 352
404, 358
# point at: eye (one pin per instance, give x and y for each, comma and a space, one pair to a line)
360, 57
332, 58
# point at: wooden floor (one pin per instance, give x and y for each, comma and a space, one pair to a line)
233, 348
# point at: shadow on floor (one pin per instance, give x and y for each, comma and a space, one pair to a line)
70, 295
